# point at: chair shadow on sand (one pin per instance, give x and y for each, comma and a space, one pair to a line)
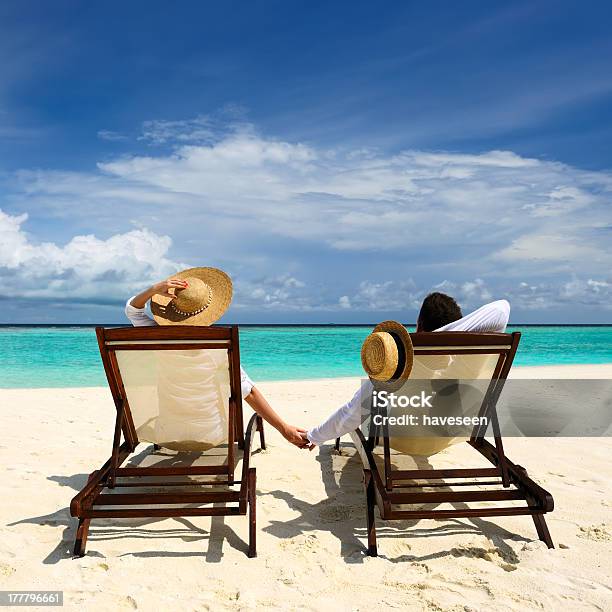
116, 529
343, 514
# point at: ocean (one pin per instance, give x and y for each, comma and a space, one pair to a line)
67, 356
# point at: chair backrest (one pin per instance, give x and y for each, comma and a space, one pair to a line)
458, 356
179, 386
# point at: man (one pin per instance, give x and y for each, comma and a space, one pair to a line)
135, 312
439, 312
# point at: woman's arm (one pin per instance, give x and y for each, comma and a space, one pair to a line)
163, 288
260, 405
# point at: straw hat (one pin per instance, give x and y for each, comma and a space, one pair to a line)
206, 298
387, 355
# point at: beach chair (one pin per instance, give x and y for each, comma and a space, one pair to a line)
451, 493
179, 389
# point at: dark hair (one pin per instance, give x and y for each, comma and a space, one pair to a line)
438, 309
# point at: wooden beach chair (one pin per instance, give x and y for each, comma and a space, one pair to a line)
147, 368
451, 493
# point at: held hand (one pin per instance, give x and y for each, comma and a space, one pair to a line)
295, 435
164, 287
307, 443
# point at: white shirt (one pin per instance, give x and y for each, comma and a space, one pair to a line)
139, 318
491, 317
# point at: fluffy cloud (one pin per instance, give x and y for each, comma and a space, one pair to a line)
478, 225
102, 271
277, 292
405, 295
574, 293
468, 293
85, 268
344, 302
502, 204
385, 296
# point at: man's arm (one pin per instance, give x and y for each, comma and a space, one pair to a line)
344, 420
491, 317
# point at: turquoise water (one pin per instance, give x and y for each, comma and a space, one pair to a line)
68, 356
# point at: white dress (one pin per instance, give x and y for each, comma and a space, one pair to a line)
184, 403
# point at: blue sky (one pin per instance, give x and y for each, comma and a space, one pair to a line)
339, 160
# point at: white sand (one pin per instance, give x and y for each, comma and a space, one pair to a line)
311, 522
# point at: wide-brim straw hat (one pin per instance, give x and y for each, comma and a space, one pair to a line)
204, 301
387, 355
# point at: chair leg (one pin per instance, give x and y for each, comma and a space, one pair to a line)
337, 445
542, 529
260, 428
239, 437
252, 484
538, 519
371, 522
81, 537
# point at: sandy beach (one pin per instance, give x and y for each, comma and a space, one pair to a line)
311, 522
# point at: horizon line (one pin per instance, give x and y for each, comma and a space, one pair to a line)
293, 324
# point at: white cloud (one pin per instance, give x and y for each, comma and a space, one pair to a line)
386, 296
574, 294
406, 295
564, 250
469, 293
349, 200
85, 268
228, 191
273, 293
344, 302
200, 129
111, 136
91, 269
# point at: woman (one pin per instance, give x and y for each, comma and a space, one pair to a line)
187, 286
